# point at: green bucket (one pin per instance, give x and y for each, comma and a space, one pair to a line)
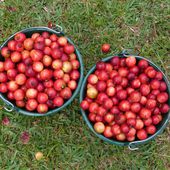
10, 106
131, 145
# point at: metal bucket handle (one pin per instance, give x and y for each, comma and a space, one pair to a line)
127, 52
132, 146
58, 29
9, 107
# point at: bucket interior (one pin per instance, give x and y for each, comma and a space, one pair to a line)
28, 32
160, 127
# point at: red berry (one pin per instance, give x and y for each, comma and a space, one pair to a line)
151, 129
105, 48
142, 134
130, 61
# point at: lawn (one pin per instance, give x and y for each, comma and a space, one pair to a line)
64, 139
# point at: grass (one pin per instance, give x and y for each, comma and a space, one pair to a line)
64, 138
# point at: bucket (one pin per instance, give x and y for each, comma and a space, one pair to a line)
131, 145
10, 106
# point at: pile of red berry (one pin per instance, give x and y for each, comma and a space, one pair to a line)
125, 99
40, 72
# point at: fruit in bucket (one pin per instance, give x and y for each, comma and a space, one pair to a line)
39, 72
125, 99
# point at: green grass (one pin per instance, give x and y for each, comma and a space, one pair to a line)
65, 139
